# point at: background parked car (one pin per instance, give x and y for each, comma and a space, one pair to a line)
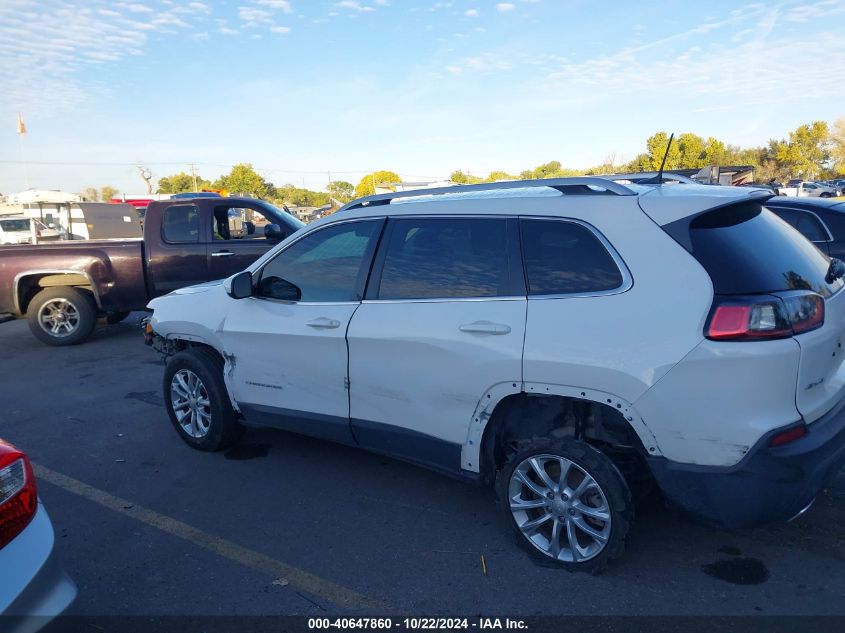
20, 229
33, 587
807, 189
821, 221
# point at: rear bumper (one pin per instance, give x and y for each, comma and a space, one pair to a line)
33, 587
769, 485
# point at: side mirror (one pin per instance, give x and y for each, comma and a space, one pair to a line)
250, 228
240, 286
274, 232
278, 288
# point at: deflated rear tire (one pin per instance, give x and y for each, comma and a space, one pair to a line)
197, 401
62, 316
567, 503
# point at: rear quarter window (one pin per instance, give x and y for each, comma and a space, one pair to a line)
566, 258
181, 223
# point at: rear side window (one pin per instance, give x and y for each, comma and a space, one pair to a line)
748, 250
181, 223
446, 258
566, 258
806, 223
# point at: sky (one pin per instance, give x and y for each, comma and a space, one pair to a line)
306, 90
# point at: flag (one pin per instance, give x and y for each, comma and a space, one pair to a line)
21, 126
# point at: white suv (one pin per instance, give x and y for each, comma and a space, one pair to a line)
564, 339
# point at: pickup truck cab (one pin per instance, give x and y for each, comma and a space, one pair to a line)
62, 288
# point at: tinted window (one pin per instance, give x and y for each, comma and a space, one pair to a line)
566, 258
748, 250
181, 223
323, 266
806, 223
446, 258
834, 218
15, 225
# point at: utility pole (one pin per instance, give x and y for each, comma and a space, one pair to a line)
194, 176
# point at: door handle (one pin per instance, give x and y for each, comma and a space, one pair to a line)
324, 323
485, 327
222, 254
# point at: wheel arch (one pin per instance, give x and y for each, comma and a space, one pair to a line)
501, 413
181, 342
28, 283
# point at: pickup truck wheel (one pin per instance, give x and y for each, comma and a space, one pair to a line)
197, 401
826, 195
62, 316
567, 502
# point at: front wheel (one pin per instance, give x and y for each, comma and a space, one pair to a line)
567, 502
62, 316
197, 401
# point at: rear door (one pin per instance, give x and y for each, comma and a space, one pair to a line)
443, 322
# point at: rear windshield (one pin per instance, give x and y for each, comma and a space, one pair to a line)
15, 225
747, 250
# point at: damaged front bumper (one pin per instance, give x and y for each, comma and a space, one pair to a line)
769, 485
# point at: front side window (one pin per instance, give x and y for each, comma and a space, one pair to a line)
566, 258
441, 258
327, 265
237, 223
181, 223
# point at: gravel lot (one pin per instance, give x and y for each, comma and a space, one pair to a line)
284, 524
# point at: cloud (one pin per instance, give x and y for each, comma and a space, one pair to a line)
471, 13
354, 5
281, 5
503, 7
280, 29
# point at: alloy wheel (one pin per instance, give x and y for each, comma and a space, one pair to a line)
191, 403
560, 508
59, 318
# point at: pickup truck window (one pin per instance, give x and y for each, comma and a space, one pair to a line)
231, 222
323, 266
181, 223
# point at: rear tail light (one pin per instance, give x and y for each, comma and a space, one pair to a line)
764, 317
18, 494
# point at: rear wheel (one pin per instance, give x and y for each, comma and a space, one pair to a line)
197, 401
567, 503
62, 316
826, 195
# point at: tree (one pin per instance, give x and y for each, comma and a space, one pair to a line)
243, 179
341, 190
89, 194
107, 193
369, 182
691, 151
837, 146
806, 151
181, 183
460, 178
656, 144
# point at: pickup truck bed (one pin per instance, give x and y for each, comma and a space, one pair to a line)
62, 287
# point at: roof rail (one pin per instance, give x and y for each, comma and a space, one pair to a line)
567, 186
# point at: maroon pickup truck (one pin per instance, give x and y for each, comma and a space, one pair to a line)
63, 287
